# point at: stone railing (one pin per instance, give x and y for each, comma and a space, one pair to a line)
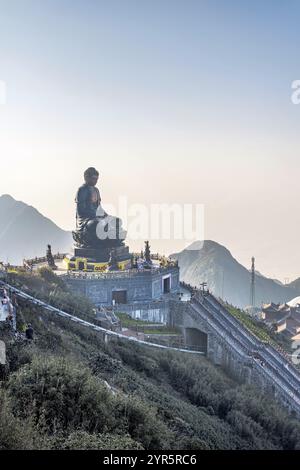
164, 260
133, 272
28, 263
189, 287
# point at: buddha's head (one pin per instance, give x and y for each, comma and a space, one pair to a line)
91, 176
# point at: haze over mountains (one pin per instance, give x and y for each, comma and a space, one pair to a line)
25, 232
212, 263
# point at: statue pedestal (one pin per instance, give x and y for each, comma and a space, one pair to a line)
101, 255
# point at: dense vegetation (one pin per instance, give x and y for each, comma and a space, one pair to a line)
69, 390
45, 285
260, 329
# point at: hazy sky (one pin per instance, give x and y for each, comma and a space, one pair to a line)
173, 101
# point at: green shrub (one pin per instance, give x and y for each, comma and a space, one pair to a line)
50, 277
69, 396
142, 422
17, 433
84, 441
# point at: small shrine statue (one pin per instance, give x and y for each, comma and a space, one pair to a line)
113, 262
147, 256
147, 252
50, 258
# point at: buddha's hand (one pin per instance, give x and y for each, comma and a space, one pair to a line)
102, 216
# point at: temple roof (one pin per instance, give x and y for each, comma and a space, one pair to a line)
270, 308
293, 326
294, 302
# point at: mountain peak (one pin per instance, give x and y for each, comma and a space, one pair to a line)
207, 246
211, 262
25, 232
6, 196
7, 199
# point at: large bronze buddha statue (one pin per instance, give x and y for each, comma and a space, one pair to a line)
94, 227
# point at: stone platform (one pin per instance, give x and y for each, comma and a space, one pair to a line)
102, 256
125, 287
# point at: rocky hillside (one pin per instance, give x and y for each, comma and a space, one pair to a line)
25, 232
69, 390
295, 284
212, 263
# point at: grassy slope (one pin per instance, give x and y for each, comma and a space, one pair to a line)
53, 396
145, 326
260, 330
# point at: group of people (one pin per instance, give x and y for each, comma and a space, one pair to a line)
8, 313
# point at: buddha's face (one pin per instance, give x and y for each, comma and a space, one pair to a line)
91, 180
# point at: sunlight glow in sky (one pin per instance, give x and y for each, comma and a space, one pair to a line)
172, 100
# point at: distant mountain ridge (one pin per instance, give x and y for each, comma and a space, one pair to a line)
211, 262
25, 232
295, 284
